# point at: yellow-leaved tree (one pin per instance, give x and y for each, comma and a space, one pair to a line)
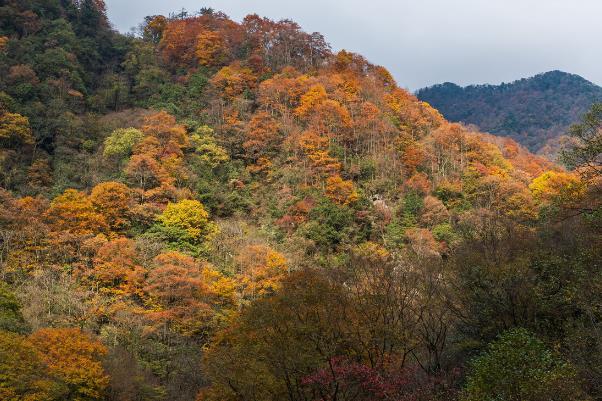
186, 226
556, 186
74, 358
261, 271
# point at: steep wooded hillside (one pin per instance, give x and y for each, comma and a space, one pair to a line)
223, 210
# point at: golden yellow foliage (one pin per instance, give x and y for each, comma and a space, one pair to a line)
232, 81
211, 50
313, 97
341, 191
557, 186
74, 212
75, 358
191, 218
14, 129
261, 271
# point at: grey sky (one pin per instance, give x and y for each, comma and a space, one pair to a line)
423, 42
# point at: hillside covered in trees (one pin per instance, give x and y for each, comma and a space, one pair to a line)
536, 112
220, 210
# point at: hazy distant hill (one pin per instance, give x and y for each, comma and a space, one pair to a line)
534, 111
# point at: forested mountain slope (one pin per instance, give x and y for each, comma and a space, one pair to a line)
533, 111
221, 210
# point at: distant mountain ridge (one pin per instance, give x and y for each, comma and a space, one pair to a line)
533, 111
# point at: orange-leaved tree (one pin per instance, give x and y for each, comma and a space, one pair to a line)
113, 200
261, 136
117, 267
23, 373
341, 191
74, 358
185, 293
73, 212
261, 271
211, 49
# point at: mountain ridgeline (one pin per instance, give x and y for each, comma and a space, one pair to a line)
219, 210
535, 111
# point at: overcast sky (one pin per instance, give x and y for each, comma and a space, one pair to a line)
424, 42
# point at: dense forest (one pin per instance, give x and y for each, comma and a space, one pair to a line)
536, 112
220, 210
